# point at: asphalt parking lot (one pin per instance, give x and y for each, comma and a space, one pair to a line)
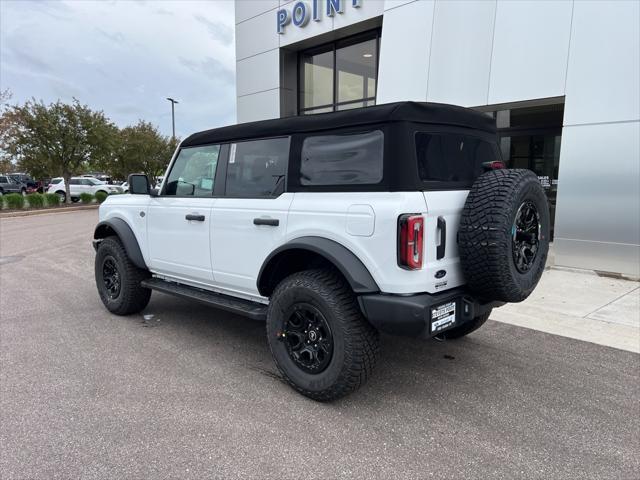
192, 392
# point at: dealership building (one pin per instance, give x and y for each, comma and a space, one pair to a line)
561, 78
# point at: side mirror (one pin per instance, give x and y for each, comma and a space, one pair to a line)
139, 184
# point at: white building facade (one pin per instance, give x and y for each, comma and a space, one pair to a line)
561, 78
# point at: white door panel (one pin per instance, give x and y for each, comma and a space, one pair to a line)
177, 246
238, 246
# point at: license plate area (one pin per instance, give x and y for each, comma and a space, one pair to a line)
443, 317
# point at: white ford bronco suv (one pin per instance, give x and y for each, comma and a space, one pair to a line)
396, 218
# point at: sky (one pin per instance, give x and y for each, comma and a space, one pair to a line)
124, 57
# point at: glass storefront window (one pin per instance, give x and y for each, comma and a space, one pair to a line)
530, 138
317, 88
356, 67
340, 75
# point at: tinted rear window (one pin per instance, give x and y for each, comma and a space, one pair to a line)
455, 158
351, 159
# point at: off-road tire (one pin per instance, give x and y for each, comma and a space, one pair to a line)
132, 298
464, 329
355, 341
485, 238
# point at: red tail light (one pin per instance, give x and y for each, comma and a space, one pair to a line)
410, 241
495, 165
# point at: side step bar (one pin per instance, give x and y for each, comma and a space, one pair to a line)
247, 308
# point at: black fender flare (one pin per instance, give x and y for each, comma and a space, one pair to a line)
124, 232
350, 266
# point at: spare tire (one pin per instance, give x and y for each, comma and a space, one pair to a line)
503, 238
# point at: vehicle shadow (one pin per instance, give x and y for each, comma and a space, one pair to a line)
412, 368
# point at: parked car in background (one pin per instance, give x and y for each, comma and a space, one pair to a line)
79, 185
9, 185
100, 176
125, 187
31, 184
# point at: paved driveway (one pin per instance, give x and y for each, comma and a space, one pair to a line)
193, 393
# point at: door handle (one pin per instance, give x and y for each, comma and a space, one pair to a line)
272, 222
192, 216
442, 227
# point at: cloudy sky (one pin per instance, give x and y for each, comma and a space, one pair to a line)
124, 57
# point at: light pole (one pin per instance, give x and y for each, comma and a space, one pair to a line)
173, 116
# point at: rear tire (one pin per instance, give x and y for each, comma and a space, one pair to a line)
62, 195
118, 279
346, 345
503, 238
464, 329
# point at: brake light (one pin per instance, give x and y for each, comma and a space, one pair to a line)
495, 165
410, 241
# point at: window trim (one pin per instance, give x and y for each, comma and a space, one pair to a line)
332, 47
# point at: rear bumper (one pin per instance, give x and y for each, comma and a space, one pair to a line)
410, 315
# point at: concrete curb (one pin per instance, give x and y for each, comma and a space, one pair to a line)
45, 211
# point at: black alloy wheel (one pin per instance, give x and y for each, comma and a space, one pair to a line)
526, 236
118, 280
321, 343
308, 338
111, 277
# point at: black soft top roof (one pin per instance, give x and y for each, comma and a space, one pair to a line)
416, 112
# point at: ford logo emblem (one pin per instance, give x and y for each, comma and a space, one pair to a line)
440, 273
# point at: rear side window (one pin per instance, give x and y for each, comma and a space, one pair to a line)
4, 180
455, 158
257, 168
351, 159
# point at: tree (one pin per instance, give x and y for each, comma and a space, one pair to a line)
6, 163
58, 138
142, 149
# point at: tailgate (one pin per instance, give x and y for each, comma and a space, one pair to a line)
441, 260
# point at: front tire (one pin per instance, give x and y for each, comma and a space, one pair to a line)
118, 279
321, 343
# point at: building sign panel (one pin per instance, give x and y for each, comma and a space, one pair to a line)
302, 12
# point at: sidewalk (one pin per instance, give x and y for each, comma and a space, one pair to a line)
580, 304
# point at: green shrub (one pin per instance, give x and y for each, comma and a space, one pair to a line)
101, 196
36, 200
86, 198
14, 200
52, 199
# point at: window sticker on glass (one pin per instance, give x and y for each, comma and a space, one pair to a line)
206, 183
232, 153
